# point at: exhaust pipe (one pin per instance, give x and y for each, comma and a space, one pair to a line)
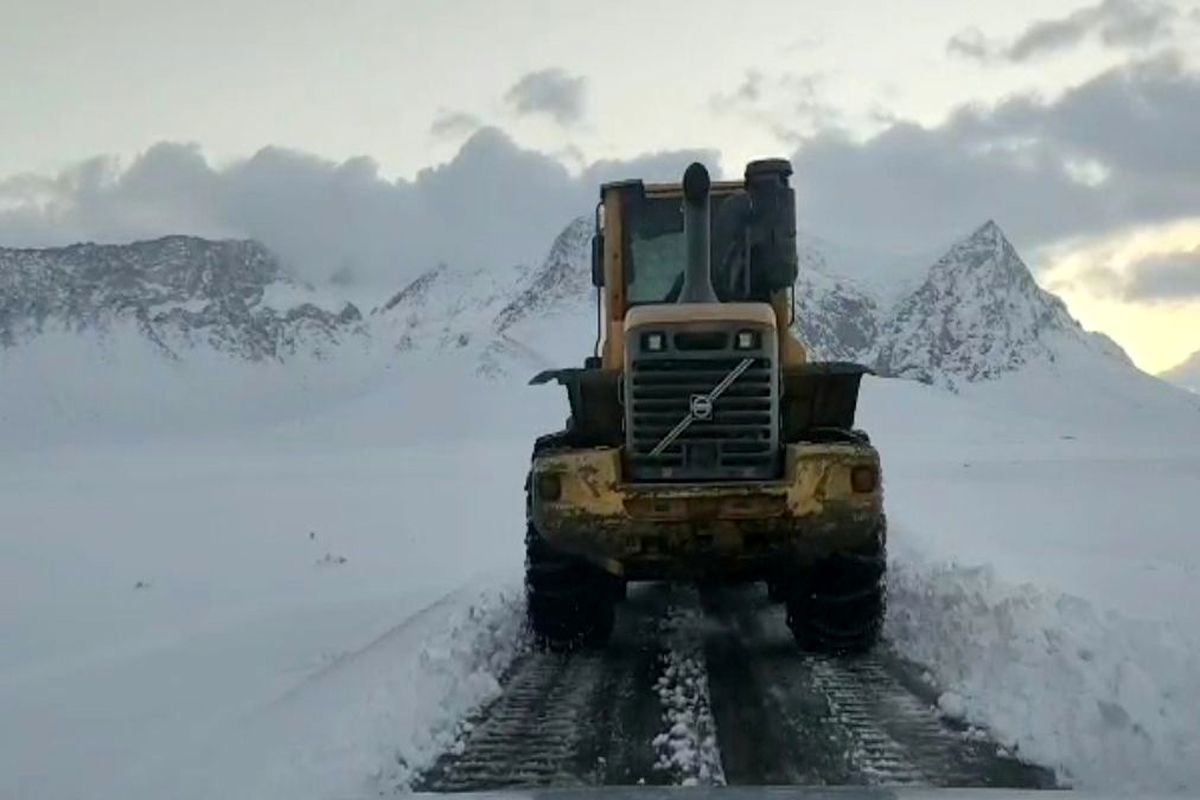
697, 275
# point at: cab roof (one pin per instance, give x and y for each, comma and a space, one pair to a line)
669, 189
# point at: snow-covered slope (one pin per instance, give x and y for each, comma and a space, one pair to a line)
178, 292
1186, 374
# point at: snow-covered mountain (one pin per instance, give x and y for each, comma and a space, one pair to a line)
178, 291
1186, 374
978, 314
975, 314
835, 317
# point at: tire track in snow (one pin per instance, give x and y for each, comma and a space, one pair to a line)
567, 719
833, 721
712, 690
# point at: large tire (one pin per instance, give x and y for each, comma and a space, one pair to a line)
569, 602
838, 607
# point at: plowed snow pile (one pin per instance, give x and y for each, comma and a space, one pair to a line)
1045, 569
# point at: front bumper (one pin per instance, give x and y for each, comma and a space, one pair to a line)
744, 530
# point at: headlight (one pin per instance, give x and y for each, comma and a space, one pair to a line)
549, 486
747, 340
864, 479
654, 342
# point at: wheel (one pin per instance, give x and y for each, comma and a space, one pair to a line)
569, 603
838, 606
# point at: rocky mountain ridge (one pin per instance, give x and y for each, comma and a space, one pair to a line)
977, 314
178, 291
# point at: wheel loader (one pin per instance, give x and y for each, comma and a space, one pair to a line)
702, 444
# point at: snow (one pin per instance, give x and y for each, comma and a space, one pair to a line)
249, 651
298, 579
687, 746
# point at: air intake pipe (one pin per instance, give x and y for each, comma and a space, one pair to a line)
697, 274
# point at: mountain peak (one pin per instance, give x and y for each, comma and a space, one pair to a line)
979, 314
988, 229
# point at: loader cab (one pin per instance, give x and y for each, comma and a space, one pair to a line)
639, 249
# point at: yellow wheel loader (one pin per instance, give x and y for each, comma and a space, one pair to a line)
702, 444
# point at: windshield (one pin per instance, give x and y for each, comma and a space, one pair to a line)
658, 251
658, 258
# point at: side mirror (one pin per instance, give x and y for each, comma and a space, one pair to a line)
598, 260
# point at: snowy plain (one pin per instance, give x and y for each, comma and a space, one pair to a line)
231, 580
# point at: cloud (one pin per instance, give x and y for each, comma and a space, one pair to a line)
549, 91
454, 124
1165, 277
789, 105
1115, 151
748, 92
493, 203
1116, 23
970, 43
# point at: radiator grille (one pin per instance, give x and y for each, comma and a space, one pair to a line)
737, 439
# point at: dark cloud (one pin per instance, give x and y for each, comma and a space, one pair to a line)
454, 124
549, 91
1115, 23
1019, 162
493, 203
970, 43
1165, 276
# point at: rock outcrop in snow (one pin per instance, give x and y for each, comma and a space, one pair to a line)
178, 291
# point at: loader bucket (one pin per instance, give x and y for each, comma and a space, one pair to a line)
820, 395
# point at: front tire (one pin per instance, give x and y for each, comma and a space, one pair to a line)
569, 602
838, 607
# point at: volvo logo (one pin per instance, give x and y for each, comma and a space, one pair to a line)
700, 406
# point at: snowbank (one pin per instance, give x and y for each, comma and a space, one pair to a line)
1045, 567
1108, 701
371, 721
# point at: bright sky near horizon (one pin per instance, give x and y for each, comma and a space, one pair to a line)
1072, 124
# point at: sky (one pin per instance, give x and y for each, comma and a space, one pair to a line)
382, 136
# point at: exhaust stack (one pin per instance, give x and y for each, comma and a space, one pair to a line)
697, 275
